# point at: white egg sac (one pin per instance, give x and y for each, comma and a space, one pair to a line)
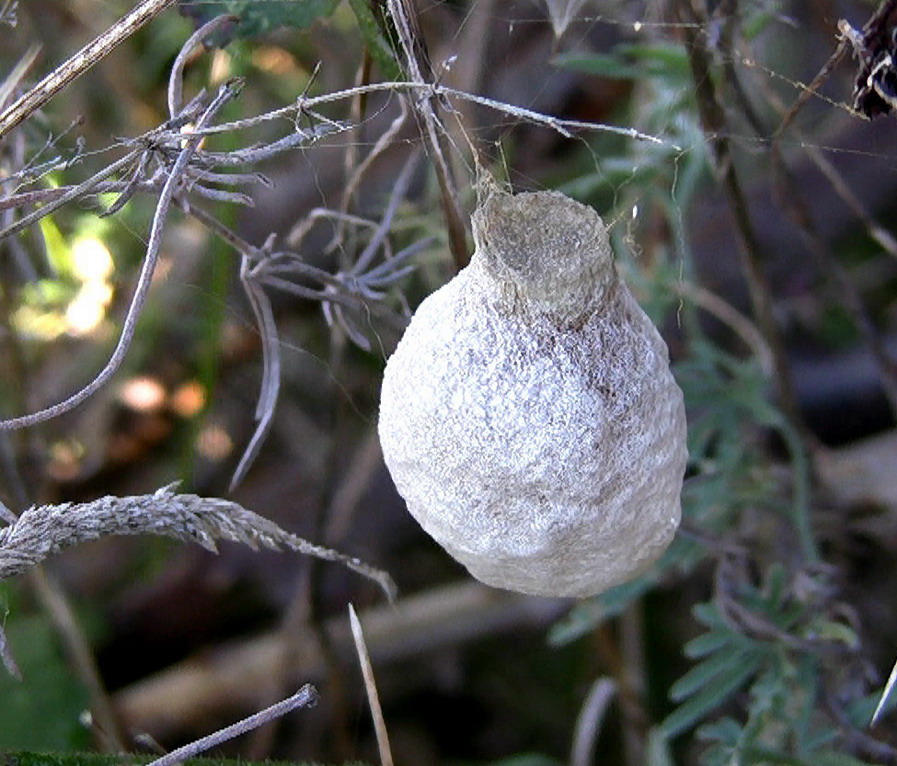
529, 417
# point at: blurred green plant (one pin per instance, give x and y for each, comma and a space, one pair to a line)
259, 17
41, 712
778, 674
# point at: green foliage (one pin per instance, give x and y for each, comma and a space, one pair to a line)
259, 17
632, 62
377, 45
770, 641
41, 712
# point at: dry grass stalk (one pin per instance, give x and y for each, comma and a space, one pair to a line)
46, 529
307, 696
370, 686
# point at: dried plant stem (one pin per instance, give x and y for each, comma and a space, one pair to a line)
727, 314
12, 80
83, 60
419, 70
439, 617
54, 199
588, 724
561, 126
713, 121
370, 686
44, 530
307, 696
191, 143
796, 207
632, 689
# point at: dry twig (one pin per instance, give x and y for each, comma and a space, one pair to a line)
370, 686
307, 696
78, 64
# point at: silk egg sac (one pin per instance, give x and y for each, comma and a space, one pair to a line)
529, 417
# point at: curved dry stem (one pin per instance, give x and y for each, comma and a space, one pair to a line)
176, 78
588, 723
730, 316
270, 388
191, 143
44, 530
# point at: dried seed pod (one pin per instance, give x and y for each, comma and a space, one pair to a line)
528, 416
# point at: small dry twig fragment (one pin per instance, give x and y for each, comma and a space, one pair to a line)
307, 696
370, 685
83, 60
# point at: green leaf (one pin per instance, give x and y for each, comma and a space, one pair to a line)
588, 615
710, 642
526, 759
726, 731
658, 751
378, 46
707, 614
834, 758
720, 664
630, 62
599, 64
712, 696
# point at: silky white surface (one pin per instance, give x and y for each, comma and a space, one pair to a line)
529, 417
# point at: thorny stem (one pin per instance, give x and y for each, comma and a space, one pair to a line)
713, 122
83, 60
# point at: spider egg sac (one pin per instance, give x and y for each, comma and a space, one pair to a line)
529, 417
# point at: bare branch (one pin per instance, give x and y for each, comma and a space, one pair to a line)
176, 78
270, 388
73, 193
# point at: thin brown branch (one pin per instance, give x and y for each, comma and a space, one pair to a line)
713, 121
419, 71
795, 206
